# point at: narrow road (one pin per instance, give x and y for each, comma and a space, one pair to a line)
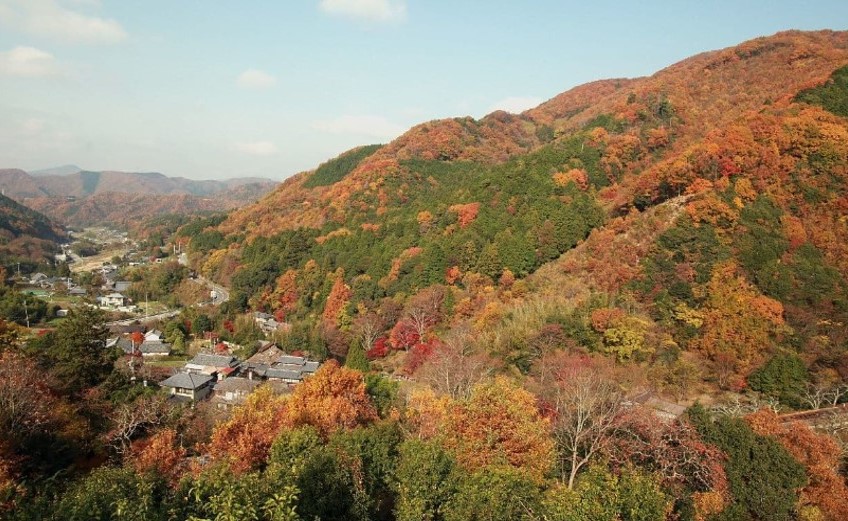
218, 294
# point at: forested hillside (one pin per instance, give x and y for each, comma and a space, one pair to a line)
628, 303
747, 144
26, 235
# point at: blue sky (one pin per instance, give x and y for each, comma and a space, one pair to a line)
213, 89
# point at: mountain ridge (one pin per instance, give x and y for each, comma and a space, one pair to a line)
87, 198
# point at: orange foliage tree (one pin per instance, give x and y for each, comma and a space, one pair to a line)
245, 439
160, 453
337, 299
739, 323
285, 295
333, 398
465, 213
499, 423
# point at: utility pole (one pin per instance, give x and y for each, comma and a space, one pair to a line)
26, 313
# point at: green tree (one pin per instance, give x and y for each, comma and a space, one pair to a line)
600, 495
201, 325
497, 493
764, 478
425, 480
782, 377
383, 392
371, 454
111, 493
356, 358
76, 350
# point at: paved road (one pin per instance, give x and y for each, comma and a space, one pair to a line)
221, 295
145, 318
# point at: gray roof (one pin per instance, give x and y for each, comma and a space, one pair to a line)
122, 285
311, 367
187, 381
124, 343
291, 360
150, 348
266, 355
211, 360
283, 374
237, 384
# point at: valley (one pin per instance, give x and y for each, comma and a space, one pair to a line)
627, 302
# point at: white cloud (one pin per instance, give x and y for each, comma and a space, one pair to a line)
368, 10
257, 148
49, 19
516, 104
364, 125
255, 79
27, 62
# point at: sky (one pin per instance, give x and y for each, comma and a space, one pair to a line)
213, 89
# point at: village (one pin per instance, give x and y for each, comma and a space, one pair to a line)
188, 366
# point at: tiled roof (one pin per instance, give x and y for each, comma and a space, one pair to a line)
187, 381
152, 347
283, 374
237, 384
211, 360
291, 360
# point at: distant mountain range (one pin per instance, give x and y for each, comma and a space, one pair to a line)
56, 170
79, 197
72, 181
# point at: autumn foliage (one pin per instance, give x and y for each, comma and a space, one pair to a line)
245, 439
159, 453
819, 453
333, 398
498, 424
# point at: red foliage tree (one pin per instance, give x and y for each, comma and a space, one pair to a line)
404, 335
379, 350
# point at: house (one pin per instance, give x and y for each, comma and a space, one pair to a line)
290, 376
189, 386
213, 365
268, 324
268, 365
122, 285
154, 335
121, 342
154, 348
37, 278
232, 391
77, 292
112, 300
267, 354
662, 409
